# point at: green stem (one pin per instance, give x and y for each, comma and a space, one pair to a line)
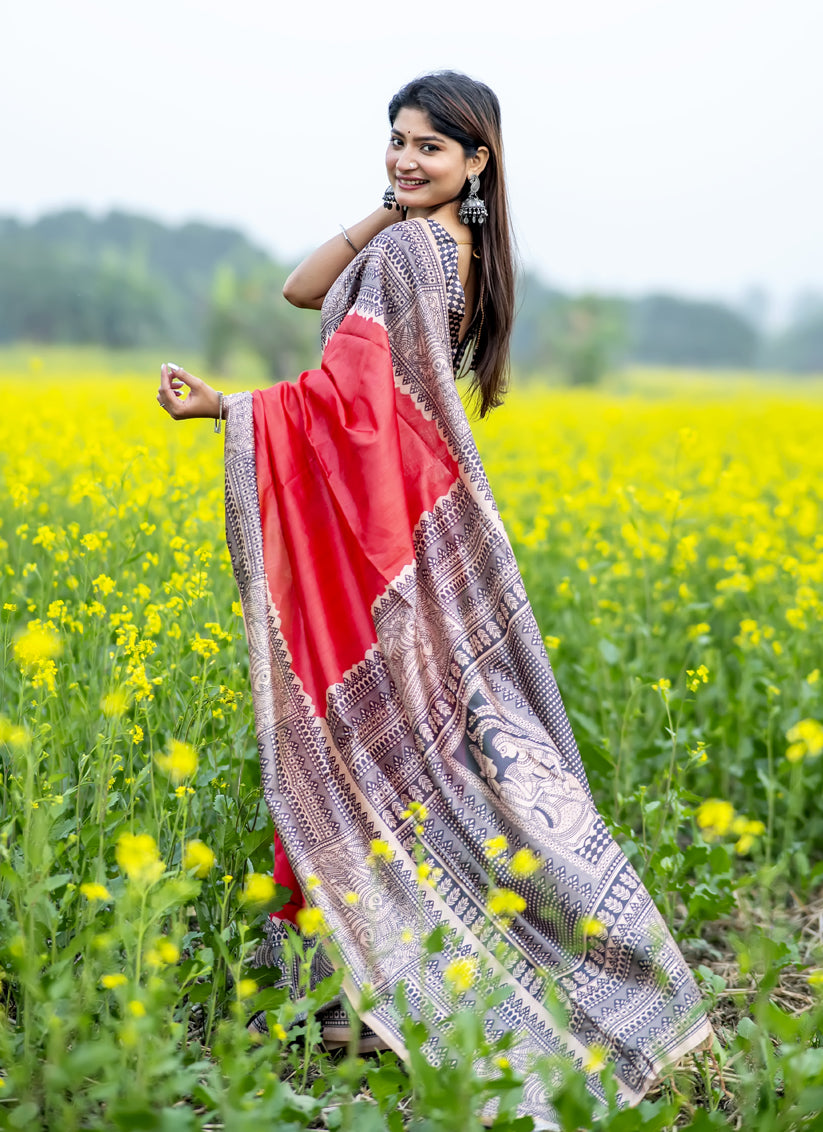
673, 733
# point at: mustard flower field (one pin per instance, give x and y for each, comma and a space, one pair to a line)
670, 533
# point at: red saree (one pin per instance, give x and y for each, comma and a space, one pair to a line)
394, 659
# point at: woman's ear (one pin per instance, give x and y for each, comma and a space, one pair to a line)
477, 162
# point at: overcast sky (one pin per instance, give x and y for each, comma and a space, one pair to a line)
670, 144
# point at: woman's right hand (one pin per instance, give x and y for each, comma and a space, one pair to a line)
202, 400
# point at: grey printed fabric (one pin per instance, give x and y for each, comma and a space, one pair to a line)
453, 706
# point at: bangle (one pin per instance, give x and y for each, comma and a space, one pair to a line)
219, 420
348, 241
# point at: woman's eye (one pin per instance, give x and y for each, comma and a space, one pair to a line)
430, 148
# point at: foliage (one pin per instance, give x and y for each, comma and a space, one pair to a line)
672, 552
129, 281
799, 349
120, 280
252, 312
668, 330
587, 335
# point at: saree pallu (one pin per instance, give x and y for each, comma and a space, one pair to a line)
395, 658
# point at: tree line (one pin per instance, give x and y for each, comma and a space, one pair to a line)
130, 281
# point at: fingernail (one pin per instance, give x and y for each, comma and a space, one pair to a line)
171, 365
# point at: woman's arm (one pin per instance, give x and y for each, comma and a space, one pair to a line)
310, 281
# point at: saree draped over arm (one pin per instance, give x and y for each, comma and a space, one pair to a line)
395, 658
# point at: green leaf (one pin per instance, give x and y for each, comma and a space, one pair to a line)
387, 1081
500, 994
270, 998
200, 992
810, 1100
139, 1118
24, 1115
435, 941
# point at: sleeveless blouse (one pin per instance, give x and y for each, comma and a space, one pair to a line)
447, 248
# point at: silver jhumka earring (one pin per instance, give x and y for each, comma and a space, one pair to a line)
473, 209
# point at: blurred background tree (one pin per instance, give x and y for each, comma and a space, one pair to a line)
126, 281
250, 311
587, 336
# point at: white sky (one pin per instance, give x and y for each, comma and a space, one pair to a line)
670, 144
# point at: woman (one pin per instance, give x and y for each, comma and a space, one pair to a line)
406, 709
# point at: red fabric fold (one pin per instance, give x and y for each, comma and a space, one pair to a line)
346, 465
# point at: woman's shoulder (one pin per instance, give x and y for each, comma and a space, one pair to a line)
408, 242
401, 234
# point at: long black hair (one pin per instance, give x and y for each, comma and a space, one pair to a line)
468, 111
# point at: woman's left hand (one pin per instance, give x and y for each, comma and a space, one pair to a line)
202, 401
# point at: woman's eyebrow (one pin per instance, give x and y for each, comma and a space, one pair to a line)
418, 137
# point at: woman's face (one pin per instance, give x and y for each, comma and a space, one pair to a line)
426, 169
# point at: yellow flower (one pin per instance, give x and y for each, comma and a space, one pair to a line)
815, 979
714, 818
380, 851
663, 686
504, 902
12, 733
551, 643
423, 872
697, 677
164, 952
94, 891
111, 982
278, 1032
311, 921
246, 988
180, 762
312, 882
461, 974
502, 1062
494, 846
524, 863
36, 644
591, 926
699, 630
351, 897
747, 831
138, 857
416, 810
596, 1059
805, 738
204, 646
103, 584
136, 1008
258, 889
114, 704
198, 857
407, 936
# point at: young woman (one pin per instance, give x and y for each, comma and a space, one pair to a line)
407, 714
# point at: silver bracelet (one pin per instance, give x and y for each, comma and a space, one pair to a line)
219, 421
348, 241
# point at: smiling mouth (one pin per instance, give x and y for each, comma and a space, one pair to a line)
408, 183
